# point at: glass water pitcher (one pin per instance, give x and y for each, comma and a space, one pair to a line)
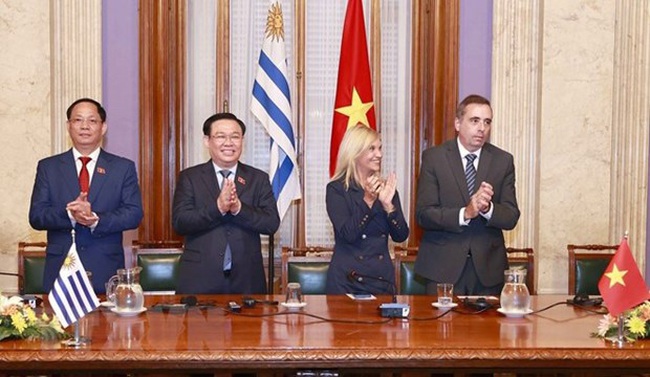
515, 297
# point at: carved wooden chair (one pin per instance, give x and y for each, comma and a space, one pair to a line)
159, 261
31, 265
408, 283
307, 266
587, 264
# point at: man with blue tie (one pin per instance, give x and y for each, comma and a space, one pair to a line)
90, 191
465, 199
221, 207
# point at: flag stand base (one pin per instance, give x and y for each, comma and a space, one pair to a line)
78, 341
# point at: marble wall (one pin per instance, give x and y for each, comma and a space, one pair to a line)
24, 118
570, 91
50, 56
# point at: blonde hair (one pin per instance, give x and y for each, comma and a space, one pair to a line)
356, 141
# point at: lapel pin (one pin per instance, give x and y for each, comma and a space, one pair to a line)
241, 180
101, 170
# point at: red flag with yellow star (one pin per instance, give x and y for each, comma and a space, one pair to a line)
622, 285
353, 103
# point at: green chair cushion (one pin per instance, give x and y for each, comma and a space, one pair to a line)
588, 273
410, 283
159, 271
312, 276
33, 268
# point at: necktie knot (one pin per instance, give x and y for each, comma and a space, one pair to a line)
225, 173
470, 158
85, 160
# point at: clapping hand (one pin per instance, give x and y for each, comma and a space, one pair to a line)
387, 192
81, 210
228, 200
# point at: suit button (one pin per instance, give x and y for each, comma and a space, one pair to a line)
380, 257
363, 236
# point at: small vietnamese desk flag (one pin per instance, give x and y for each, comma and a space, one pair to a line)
622, 285
353, 103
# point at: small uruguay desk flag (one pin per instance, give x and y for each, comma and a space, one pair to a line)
72, 295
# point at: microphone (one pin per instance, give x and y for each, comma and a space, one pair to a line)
391, 310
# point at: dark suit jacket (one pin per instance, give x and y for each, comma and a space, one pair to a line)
207, 232
442, 192
361, 241
114, 196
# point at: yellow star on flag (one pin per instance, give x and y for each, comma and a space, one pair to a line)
357, 110
616, 276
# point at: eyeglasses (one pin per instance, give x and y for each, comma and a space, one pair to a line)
221, 138
89, 121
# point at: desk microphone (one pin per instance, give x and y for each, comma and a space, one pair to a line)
391, 310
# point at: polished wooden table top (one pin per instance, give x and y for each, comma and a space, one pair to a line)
330, 332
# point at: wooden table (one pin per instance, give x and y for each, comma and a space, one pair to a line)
270, 338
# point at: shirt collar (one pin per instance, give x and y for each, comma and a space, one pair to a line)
218, 168
94, 155
464, 152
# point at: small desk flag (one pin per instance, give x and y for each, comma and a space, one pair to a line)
353, 103
622, 285
271, 105
72, 295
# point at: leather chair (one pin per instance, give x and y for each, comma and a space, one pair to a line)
31, 265
307, 266
524, 258
408, 283
159, 261
587, 264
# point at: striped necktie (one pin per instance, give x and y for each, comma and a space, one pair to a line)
470, 173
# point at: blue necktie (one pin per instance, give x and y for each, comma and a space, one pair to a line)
470, 173
227, 258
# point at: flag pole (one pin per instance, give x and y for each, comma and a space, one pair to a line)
621, 330
621, 317
269, 288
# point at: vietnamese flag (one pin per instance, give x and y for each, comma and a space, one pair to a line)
353, 103
622, 285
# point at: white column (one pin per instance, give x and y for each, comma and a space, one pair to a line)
76, 60
516, 97
631, 125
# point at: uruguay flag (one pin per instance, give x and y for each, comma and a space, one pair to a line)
72, 295
271, 105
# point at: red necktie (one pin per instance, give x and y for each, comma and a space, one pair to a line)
84, 177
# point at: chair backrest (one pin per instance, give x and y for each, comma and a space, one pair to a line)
307, 266
587, 264
159, 261
408, 283
524, 258
31, 266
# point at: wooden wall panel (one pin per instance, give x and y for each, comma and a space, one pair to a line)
435, 83
162, 72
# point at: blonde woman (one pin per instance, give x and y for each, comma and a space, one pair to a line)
365, 210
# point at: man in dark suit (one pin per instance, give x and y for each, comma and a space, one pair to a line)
222, 207
463, 207
89, 190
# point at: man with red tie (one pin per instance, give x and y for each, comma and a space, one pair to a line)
89, 190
